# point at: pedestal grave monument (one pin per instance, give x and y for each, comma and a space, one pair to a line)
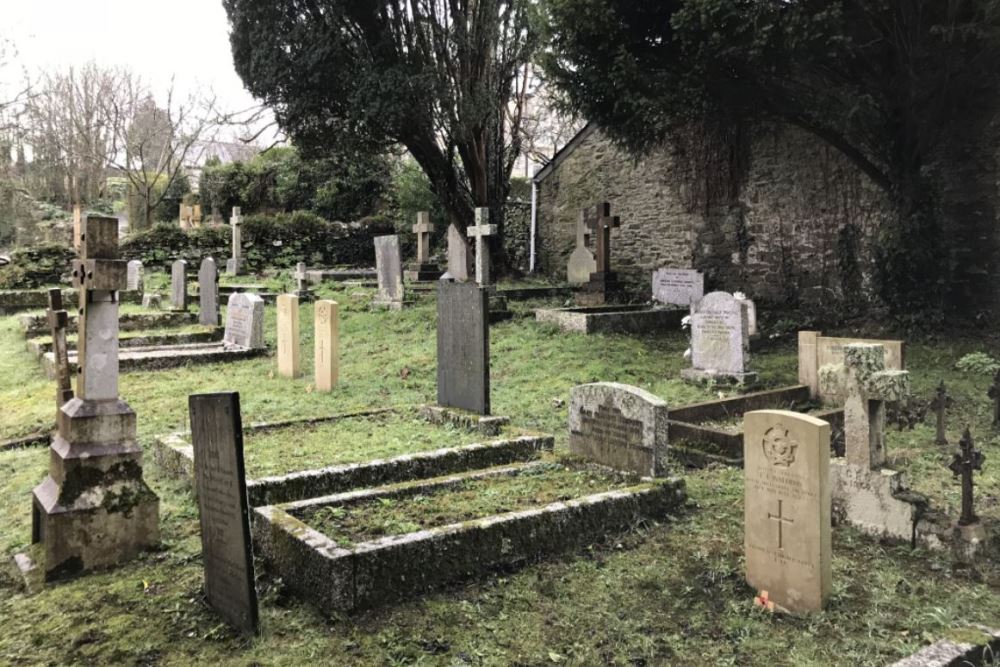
234, 265
423, 269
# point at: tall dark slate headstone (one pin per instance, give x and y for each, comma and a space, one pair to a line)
220, 479
463, 347
208, 293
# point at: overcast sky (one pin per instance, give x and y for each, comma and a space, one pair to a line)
157, 39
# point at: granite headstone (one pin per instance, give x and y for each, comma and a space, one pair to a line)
463, 347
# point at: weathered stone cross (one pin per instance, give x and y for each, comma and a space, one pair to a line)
480, 232
866, 386
782, 520
235, 262
423, 230
598, 219
942, 401
58, 319
967, 460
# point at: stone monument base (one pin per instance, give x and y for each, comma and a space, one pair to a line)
969, 540
417, 273
489, 425
305, 296
697, 375
602, 288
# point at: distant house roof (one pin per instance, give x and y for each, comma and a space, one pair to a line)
564, 152
225, 151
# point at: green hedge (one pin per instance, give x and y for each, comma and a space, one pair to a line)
36, 266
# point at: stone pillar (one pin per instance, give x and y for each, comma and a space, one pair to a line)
289, 365
327, 342
178, 286
235, 263
208, 293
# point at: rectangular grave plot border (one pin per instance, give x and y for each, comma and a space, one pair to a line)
39, 349
395, 567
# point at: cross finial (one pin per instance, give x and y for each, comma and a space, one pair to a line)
423, 230
600, 222
480, 232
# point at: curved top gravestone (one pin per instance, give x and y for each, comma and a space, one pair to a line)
208, 293
244, 321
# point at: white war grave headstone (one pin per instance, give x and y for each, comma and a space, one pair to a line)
244, 322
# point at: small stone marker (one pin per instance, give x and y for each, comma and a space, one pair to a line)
994, 393
244, 322
463, 347
208, 293
289, 364
234, 264
223, 508
967, 460
619, 426
135, 282
678, 287
58, 320
327, 344
787, 507
940, 404
390, 273
719, 340
178, 286
459, 255
581, 263
302, 283
481, 232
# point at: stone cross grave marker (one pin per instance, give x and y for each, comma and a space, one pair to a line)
223, 508
289, 360
234, 264
967, 460
459, 255
994, 393
481, 232
135, 282
423, 230
208, 293
940, 404
94, 455
787, 507
678, 287
301, 276
244, 322
327, 344
178, 286
817, 350
600, 222
581, 263
390, 272
619, 426
719, 339
463, 347
58, 320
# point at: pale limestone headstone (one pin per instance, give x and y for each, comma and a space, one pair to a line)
235, 263
817, 350
459, 255
620, 426
678, 287
289, 362
719, 339
244, 322
481, 233
178, 285
135, 283
582, 262
208, 293
787, 507
389, 267
327, 344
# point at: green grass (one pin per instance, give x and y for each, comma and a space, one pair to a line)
669, 593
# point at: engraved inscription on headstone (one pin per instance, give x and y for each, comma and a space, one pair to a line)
220, 478
678, 287
463, 347
244, 321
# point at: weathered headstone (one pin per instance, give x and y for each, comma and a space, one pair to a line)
135, 282
234, 265
244, 321
463, 347
678, 287
603, 282
817, 350
719, 340
58, 320
94, 510
619, 426
327, 344
77, 225
289, 360
390, 273
751, 309
481, 233
940, 404
223, 508
302, 283
581, 263
966, 461
178, 285
423, 269
208, 293
459, 255
787, 507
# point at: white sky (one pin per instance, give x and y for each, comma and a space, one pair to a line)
157, 39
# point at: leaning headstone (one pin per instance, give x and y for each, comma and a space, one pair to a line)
463, 347
223, 508
234, 264
327, 344
208, 293
390, 273
678, 287
719, 340
289, 363
178, 285
244, 322
581, 263
58, 321
135, 283
620, 426
787, 507
481, 232
459, 255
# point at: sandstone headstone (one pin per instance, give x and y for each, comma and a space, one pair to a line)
619, 426
817, 350
178, 285
481, 233
581, 263
208, 293
327, 344
719, 339
223, 508
289, 363
244, 321
390, 272
463, 347
787, 507
678, 287
135, 282
459, 255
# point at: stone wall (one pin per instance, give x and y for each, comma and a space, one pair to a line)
773, 234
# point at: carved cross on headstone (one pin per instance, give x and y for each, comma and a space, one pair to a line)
480, 232
994, 393
967, 460
58, 319
866, 386
781, 521
423, 230
941, 402
600, 222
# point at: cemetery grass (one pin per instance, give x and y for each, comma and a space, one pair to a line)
660, 593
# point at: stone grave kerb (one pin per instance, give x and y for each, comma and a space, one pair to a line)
481, 232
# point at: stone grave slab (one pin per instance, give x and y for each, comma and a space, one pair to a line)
628, 319
390, 273
463, 347
678, 287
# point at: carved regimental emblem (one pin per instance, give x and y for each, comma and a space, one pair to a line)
779, 448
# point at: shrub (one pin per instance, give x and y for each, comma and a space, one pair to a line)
978, 363
36, 266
